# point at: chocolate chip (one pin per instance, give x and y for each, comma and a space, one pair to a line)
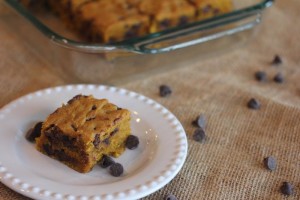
116, 169
132, 142
261, 76
73, 127
91, 118
118, 108
277, 60
270, 163
183, 20
106, 141
199, 135
253, 104
117, 119
206, 9
96, 141
171, 197
114, 132
76, 98
94, 107
216, 11
278, 78
106, 161
164, 24
287, 188
130, 34
164, 91
47, 148
34, 132
200, 121
112, 40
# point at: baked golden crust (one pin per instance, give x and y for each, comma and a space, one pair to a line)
82, 131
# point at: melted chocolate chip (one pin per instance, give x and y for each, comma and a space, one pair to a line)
206, 9
94, 107
116, 120
106, 141
164, 24
114, 132
183, 20
47, 148
73, 127
132, 142
96, 141
34, 132
116, 169
89, 119
216, 11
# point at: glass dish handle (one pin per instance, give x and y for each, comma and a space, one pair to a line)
175, 40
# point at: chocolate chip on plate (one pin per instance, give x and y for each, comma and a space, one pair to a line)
106, 161
270, 163
261, 76
253, 104
278, 78
199, 135
164, 91
116, 169
277, 60
287, 188
171, 197
34, 132
200, 121
132, 142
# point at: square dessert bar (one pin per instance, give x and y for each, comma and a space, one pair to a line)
110, 21
167, 13
210, 8
79, 133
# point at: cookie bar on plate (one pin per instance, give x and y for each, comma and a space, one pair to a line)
79, 133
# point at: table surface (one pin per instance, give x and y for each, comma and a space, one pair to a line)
230, 164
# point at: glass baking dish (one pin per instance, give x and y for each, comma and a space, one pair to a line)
80, 61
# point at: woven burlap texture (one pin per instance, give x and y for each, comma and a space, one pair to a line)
230, 164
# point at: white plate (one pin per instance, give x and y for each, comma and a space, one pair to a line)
159, 157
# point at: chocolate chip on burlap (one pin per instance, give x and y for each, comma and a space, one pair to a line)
253, 104
270, 163
287, 188
277, 60
165, 90
279, 78
261, 76
200, 121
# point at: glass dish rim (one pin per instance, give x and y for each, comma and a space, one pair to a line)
133, 45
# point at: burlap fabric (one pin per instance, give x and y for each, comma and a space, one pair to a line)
230, 164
